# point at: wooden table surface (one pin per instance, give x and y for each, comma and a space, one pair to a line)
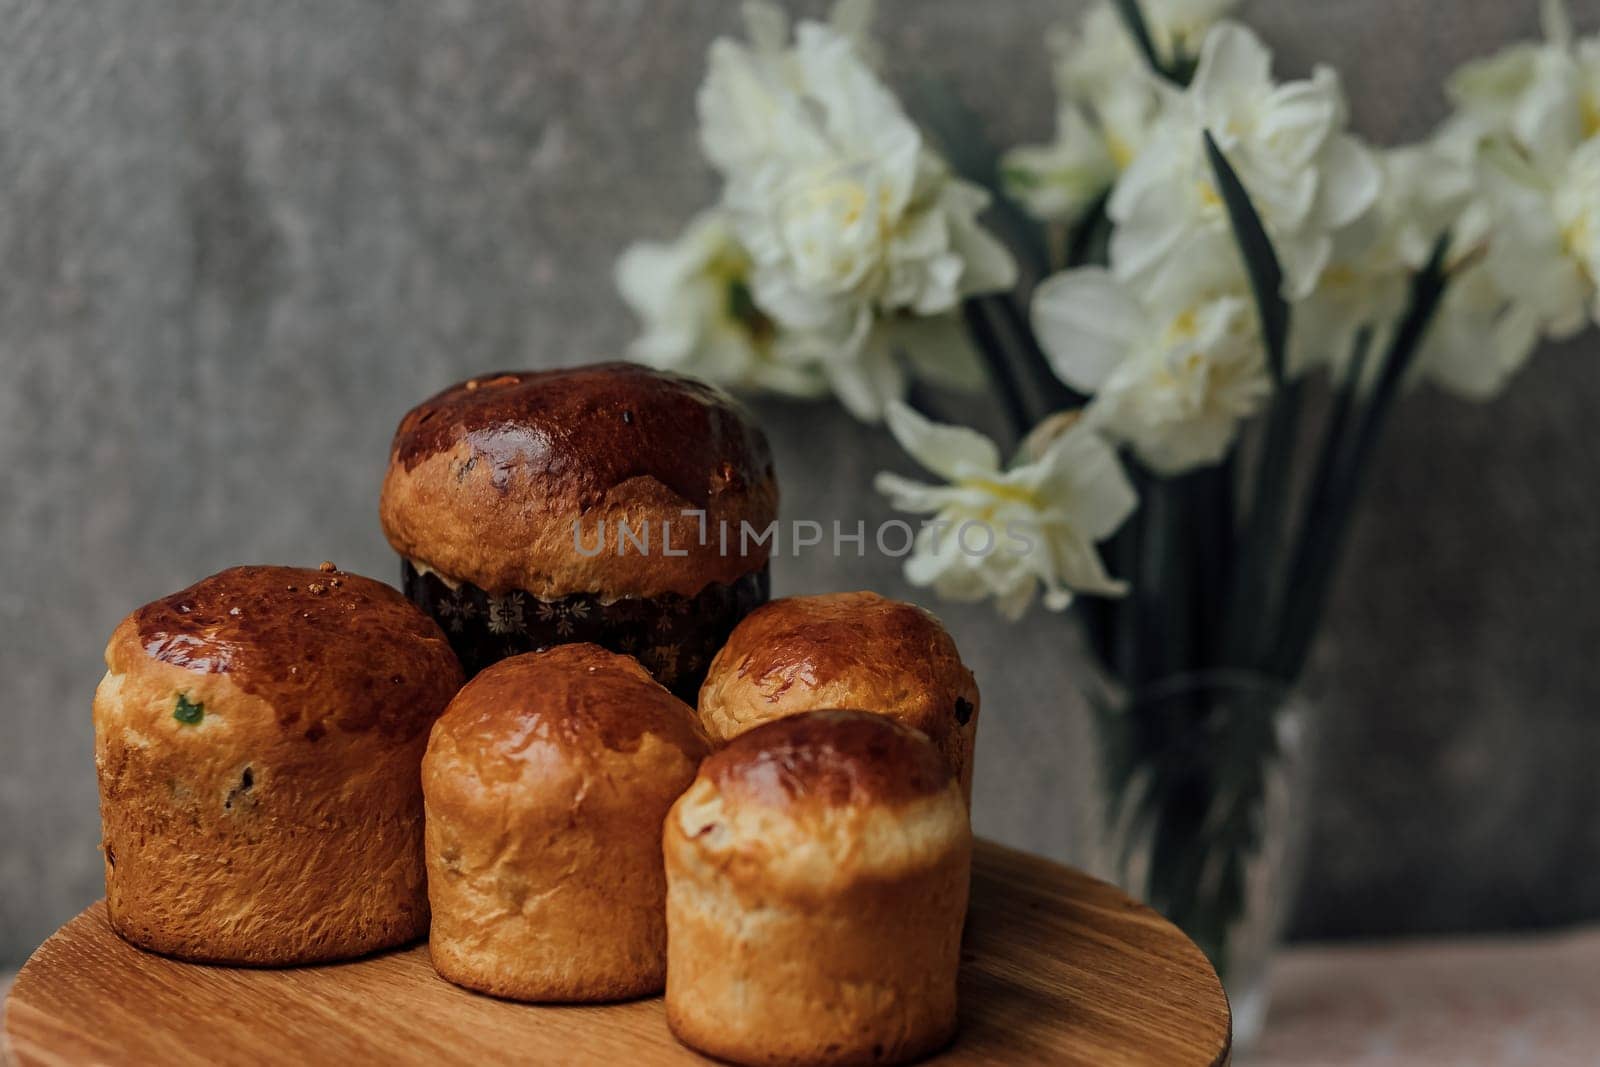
1057, 968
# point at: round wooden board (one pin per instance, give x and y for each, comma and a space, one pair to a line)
1058, 968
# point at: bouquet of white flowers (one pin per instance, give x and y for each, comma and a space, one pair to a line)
1196, 244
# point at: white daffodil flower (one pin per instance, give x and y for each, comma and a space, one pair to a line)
1529, 117
1544, 96
1479, 337
1367, 282
1005, 532
1107, 102
1178, 27
1307, 178
1060, 181
1094, 57
1487, 92
737, 119
767, 26
1101, 52
1576, 205
848, 219
866, 373
692, 297
1544, 249
1173, 369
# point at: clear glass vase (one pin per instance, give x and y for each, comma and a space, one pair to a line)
1192, 794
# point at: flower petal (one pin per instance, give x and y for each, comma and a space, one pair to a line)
1351, 181
938, 349
1299, 117
1058, 181
1235, 67
907, 495
952, 452
1093, 488
1087, 322
867, 383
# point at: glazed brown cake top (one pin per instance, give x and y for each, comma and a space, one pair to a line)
839, 650
487, 478
831, 759
593, 428
576, 698
323, 647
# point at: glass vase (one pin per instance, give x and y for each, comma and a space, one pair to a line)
1191, 793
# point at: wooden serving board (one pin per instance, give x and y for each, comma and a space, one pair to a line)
1058, 968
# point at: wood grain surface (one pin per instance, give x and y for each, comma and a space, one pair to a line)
1058, 968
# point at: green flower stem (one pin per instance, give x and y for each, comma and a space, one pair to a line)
1117, 630
1099, 617
1318, 518
1260, 260
1041, 378
1342, 470
1148, 554
997, 362
1139, 30
1113, 623
1176, 585
1187, 772
1275, 463
1262, 539
1213, 557
1089, 242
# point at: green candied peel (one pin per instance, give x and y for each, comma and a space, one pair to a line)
187, 712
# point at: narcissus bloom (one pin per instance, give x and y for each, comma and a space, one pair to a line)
692, 297
1479, 338
1544, 249
1107, 101
1367, 282
1173, 368
1307, 178
1007, 531
1177, 27
1060, 181
1530, 117
850, 222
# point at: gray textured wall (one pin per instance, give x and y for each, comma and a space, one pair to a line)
238, 239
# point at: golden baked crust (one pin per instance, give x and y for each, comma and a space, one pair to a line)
814, 906
487, 479
845, 650
546, 783
257, 738
827, 760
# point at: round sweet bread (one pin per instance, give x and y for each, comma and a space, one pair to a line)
258, 738
817, 875
547, 780
845, 650
611, 504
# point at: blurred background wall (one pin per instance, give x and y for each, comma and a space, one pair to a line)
239, 239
